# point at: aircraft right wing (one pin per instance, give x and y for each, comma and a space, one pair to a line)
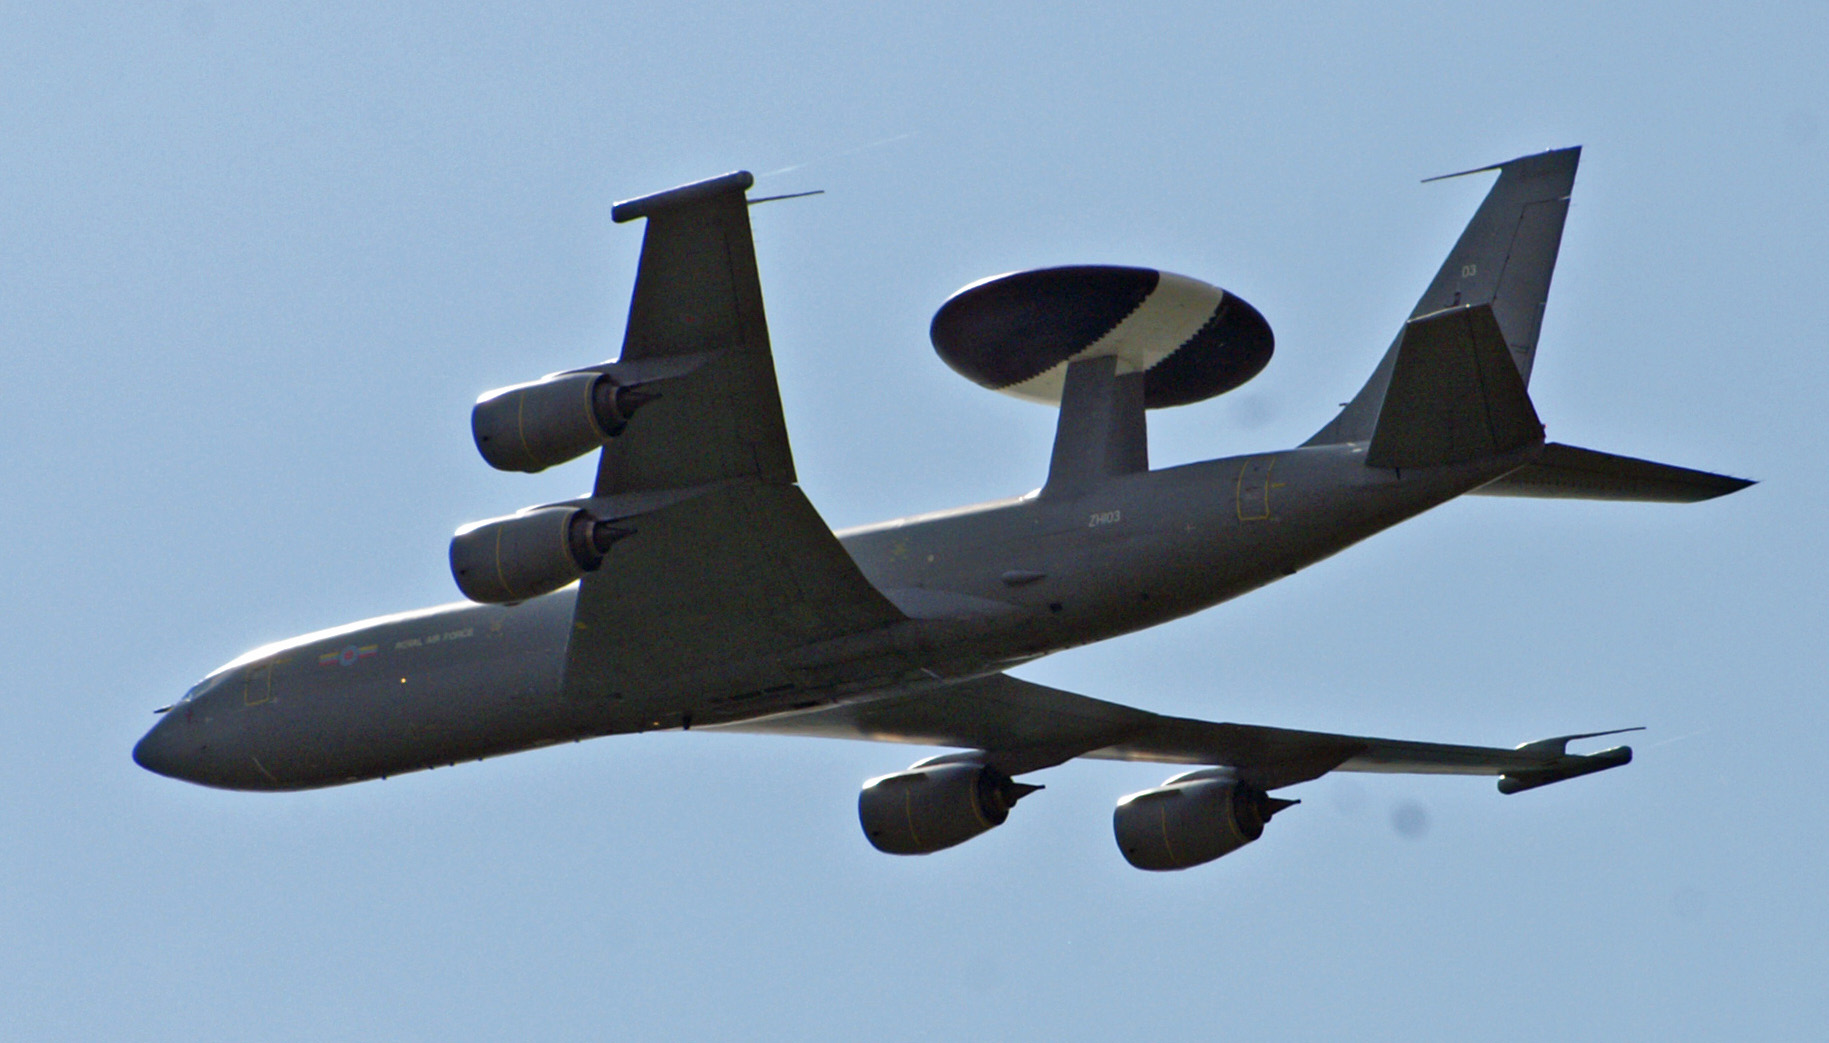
1021, 726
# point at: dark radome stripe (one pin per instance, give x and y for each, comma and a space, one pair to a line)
1234, 346
1016, 333
1011, 328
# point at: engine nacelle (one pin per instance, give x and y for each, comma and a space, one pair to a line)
528, 554
935, 804
530, 427
1190, 819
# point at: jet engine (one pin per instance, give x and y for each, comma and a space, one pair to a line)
531, 553
1192, 818
530, 427
935, 804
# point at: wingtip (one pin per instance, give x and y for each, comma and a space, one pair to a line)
643, 206
1571, 767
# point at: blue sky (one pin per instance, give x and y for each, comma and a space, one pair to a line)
255, 264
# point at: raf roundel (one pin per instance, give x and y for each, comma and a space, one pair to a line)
1016, 333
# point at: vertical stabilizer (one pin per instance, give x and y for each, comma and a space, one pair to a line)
1504, 259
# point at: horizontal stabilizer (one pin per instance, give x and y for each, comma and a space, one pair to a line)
1566, 473
1455, 394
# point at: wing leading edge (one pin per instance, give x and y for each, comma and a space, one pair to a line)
1021, 727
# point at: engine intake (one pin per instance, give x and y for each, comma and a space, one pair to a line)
530, 427
936, 804
531, 553
1191, 819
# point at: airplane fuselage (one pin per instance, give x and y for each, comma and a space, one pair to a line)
984, 587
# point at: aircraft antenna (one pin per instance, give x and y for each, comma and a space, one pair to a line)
790, 195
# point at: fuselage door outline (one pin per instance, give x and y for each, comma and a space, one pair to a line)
1253, 495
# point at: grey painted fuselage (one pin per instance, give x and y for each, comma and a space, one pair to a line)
985, 587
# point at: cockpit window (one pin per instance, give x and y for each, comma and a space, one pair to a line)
199, 688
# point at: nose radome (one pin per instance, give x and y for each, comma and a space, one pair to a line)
159, 751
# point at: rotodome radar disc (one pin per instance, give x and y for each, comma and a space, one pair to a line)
1016, 333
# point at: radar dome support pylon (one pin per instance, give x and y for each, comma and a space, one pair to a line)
1102, 432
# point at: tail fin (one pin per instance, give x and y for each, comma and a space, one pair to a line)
1503, 259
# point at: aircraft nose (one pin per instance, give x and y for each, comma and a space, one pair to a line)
163, 751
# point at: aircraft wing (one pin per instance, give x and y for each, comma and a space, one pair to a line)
739, 566
1022, 727
698, 299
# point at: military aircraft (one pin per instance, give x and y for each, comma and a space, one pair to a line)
696, 587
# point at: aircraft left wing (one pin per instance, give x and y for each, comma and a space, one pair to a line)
1021, 727
737, 566
698, 303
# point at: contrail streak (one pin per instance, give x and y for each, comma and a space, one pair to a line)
839, 155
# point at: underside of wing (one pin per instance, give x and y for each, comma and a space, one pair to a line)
1020, 726
697, 296
739, 568
711, 591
